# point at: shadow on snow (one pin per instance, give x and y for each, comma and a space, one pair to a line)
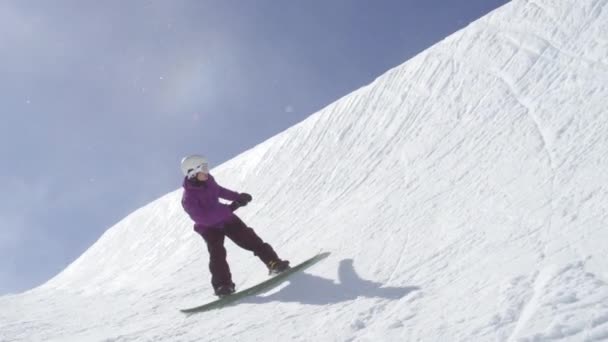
305, 288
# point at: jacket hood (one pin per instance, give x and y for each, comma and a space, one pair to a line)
194, 183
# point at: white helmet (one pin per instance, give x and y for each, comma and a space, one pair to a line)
191, 165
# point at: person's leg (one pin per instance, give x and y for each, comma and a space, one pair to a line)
218, 266
246, 238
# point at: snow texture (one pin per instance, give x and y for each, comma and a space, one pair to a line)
463, 196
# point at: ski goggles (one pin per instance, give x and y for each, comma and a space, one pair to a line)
204, 168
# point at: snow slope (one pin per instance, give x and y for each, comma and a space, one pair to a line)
462, 194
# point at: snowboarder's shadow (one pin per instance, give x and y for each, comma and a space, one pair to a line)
305, 288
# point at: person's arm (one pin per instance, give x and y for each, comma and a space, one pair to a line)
226, 193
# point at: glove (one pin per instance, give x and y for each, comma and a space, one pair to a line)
240, 202
233, 206
244, 199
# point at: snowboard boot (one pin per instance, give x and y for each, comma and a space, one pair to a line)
224, 290
277, 266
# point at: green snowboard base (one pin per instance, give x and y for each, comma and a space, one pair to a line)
257, 289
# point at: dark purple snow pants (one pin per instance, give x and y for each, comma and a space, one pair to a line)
244, 237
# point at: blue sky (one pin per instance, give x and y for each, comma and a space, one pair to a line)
101, 99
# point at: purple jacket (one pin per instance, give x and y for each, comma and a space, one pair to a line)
201, 201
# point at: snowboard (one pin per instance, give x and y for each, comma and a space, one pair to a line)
262, 287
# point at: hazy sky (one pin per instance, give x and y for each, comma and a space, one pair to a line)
101, 99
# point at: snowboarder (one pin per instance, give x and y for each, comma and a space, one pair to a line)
214, 221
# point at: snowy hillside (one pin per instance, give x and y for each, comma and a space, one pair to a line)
463, 196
